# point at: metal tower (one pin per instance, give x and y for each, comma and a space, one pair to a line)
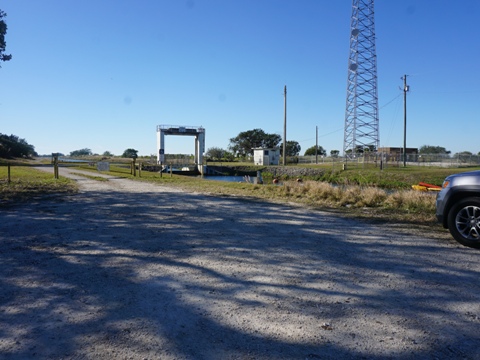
361, 115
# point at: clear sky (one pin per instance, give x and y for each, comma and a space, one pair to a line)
103, 74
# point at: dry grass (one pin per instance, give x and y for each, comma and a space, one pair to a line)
411, 201
402, 205
409, 205
320, 193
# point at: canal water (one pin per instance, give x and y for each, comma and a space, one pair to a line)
252, 179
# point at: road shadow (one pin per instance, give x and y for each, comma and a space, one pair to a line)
187, 276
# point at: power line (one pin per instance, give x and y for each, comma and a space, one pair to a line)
388, 103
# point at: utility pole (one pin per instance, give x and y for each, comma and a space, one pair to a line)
316, 145
285, 126
405, 90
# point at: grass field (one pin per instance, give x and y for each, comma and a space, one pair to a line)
366, 192
363, 192
27, 183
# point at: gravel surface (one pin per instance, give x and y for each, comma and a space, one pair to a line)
131, 270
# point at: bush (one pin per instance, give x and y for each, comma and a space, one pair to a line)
13, 146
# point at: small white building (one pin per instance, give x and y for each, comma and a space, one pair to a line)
263, 156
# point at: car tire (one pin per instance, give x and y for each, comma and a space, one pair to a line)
464, 222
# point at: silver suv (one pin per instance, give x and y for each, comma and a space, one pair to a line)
458, 207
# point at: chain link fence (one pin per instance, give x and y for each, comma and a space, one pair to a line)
377, 159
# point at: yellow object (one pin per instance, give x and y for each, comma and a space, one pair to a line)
425, 188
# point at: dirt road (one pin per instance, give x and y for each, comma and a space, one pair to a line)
131, 270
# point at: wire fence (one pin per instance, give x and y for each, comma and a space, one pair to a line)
433, 160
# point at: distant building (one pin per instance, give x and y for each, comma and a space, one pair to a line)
397, 150
263, 156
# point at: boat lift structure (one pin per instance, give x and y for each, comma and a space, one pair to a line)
197, 131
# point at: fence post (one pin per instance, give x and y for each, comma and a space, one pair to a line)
55, 166
134, 167
8, 171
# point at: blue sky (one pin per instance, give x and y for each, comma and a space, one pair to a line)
103, 74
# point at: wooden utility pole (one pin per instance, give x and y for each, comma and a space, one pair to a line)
405, 90
316, 144
285, 126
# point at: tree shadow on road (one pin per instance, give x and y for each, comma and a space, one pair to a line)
184, 276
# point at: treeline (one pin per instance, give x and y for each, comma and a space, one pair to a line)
243, 144
12, 146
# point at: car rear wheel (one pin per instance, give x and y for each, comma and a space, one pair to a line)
464, 222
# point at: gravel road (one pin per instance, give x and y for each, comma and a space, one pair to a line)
131, 270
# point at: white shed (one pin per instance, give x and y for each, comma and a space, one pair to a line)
263, 156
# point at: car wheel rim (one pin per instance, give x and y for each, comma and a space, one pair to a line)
468, 222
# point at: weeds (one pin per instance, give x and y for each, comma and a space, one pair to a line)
324, 194
411, 201
348, 190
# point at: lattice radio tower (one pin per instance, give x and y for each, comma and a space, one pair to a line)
361, 115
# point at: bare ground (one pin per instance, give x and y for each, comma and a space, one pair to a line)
131, 270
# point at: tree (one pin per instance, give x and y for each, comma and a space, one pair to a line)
228, 156
466, 156
334, 153
13, 146
428, 149
107, 153
244, 143
271, 141
360, 149
215, 153
292, 148
81, 152
463, 153
311, 151
3, 43
130, 153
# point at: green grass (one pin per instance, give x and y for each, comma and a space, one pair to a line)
388, 179
366, 200
391, 177
365, 192
27, 183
